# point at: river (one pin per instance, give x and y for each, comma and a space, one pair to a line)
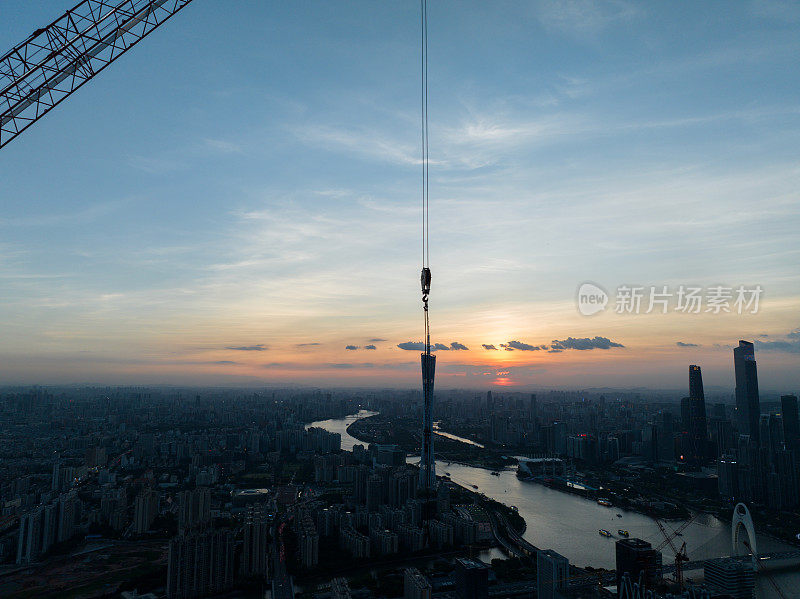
568, 524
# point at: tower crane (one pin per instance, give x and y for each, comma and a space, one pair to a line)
53, 62
679, 553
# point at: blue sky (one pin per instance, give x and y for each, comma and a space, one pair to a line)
248, 176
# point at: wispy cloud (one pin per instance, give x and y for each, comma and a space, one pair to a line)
369, 144
519, 345
790, 344
89, 214
684, 344
585, 18
259, 347
420, 346
222, 146
584, 343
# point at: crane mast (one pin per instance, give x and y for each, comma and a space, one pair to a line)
54, 61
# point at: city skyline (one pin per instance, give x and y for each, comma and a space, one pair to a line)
214, 326
260, 216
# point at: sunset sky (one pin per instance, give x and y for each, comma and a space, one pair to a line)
237, 200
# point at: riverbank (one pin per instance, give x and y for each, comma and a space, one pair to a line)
405, 433
568, 523
661, 510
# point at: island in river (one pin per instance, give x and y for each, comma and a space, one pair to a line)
406, 434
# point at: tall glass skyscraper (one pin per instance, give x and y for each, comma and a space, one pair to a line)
696, 408
748, 407
696, 383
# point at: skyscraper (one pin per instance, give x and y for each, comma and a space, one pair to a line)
145, 511
200, 564
68, 513
255, 550
686, 416
472, 579
729, 577
415, 585
194, 507
791, 423
308, 541
552, 574
29, 544
635, 556
748, 408
696, 383
427, 463
696, 412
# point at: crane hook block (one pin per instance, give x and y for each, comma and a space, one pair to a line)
425, 279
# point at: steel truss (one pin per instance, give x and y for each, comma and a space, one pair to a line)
39, 73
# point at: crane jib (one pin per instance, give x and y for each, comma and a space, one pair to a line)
53, 62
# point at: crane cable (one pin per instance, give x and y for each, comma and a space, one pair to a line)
425, 278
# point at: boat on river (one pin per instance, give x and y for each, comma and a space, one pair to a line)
604, 502
604, 533
623, 533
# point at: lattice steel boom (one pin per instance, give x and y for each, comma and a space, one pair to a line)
39, 73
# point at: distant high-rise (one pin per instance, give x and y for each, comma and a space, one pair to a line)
56, 478
68, 512
729, 577
29, 545
308, 540
200, 564
194, 508
472, 579
686, 416
340, 589
748, 407
696, 383
695, 410
773, 438
552, 574
791, 422
415, 585
145, 511
635, 556
427, 463
255, 550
